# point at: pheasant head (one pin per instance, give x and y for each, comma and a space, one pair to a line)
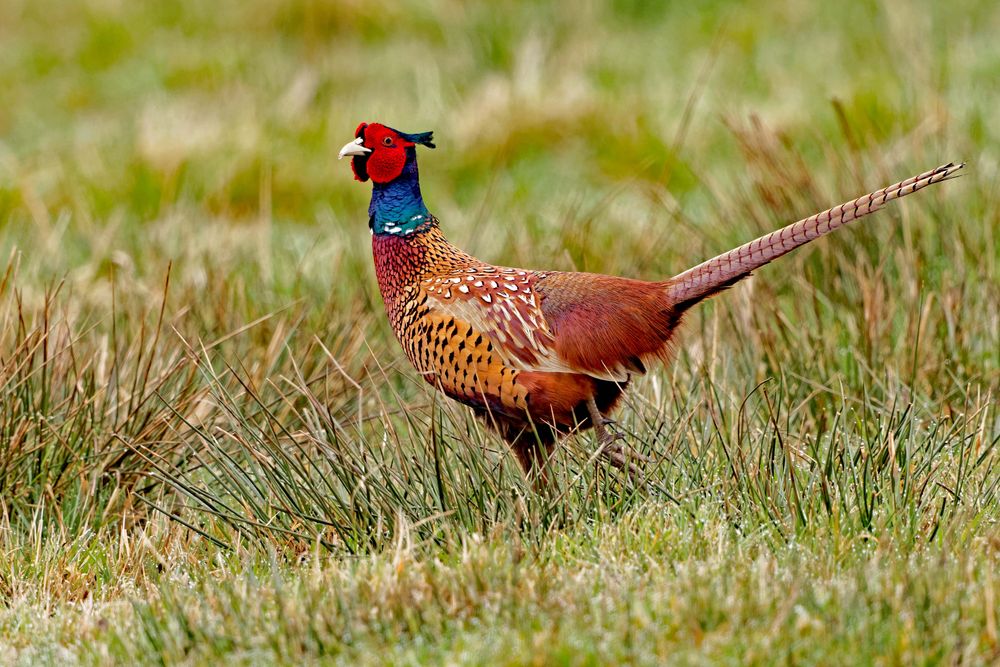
381, 153
388, 158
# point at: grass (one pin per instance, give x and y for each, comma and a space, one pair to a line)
213, 449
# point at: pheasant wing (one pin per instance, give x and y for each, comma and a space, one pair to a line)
502, 304
559, 322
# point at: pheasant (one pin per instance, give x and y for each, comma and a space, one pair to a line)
539, 354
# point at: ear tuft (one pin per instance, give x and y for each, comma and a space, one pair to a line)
422, 138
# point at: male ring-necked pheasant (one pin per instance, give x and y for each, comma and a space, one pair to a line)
539, 353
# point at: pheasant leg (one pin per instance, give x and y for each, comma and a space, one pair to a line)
610, 444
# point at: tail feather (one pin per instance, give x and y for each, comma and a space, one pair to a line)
718, 273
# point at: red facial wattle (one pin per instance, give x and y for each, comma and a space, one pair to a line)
387, 158
385, 164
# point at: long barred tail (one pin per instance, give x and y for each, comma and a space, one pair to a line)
699, 282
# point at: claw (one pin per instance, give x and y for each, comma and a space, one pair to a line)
619, 459
620, 456
609, 442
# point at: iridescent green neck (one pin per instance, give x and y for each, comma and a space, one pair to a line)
397, 207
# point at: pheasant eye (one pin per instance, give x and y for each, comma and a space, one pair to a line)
387, 141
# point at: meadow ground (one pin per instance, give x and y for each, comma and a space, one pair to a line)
212, 447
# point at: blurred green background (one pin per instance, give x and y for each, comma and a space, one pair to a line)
118, 118
626, 137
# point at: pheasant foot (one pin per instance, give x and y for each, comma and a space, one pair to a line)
610, 443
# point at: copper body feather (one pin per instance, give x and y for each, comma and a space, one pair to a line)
525, 349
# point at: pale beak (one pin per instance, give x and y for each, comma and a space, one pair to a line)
353, 149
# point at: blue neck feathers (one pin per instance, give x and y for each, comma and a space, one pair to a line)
397, 207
